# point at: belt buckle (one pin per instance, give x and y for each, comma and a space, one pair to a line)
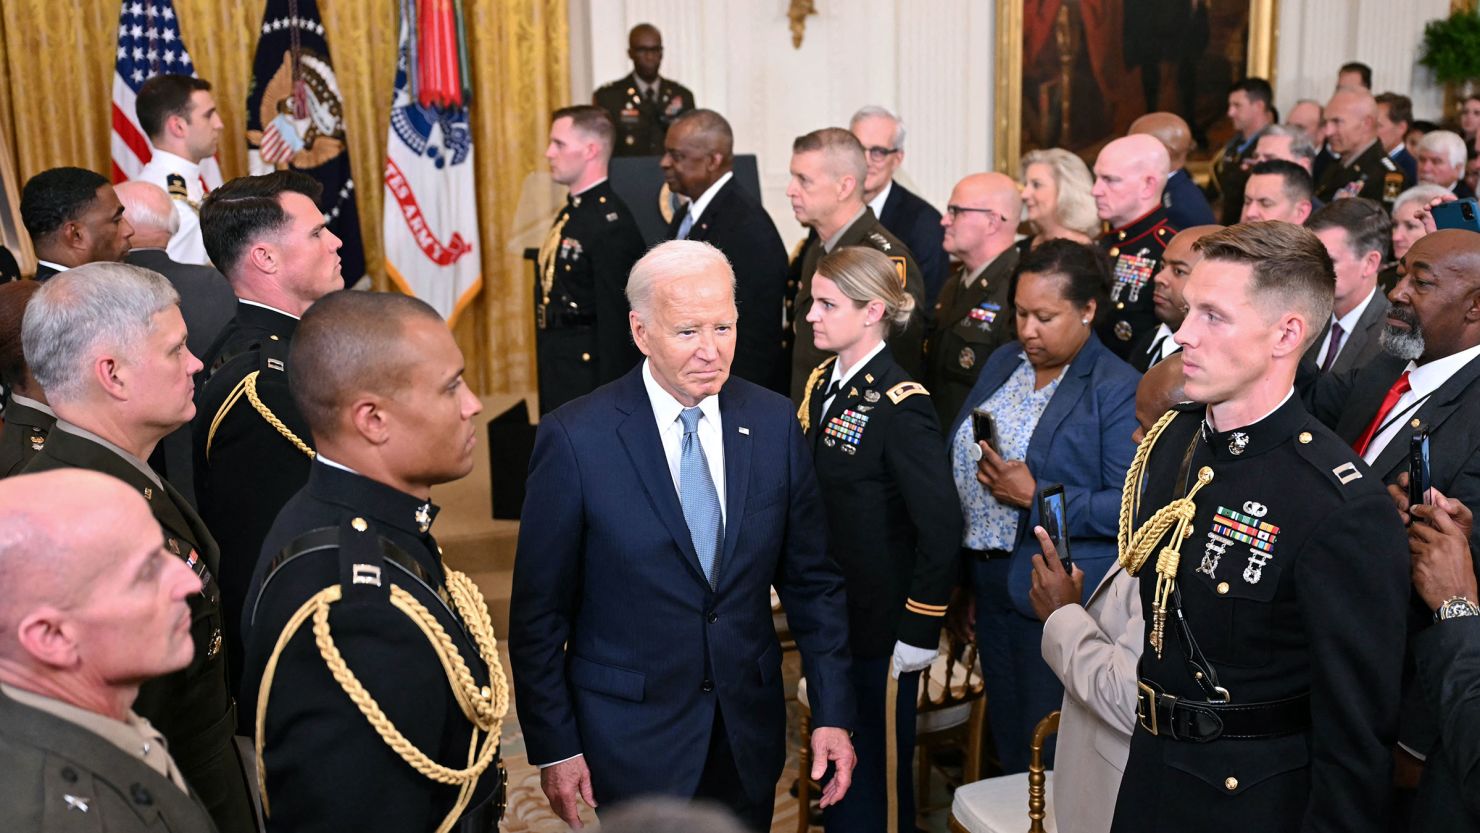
1146, 702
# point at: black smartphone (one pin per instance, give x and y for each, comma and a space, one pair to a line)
1418, 468
985, 429
1460, 214
1053, 517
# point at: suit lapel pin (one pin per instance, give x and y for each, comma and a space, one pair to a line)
76, 802
148, 493
744, 430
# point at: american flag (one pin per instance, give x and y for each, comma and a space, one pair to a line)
149, 44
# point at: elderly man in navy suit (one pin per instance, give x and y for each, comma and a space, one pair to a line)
660, 508
913, 220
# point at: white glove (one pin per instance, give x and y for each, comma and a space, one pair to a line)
908, 658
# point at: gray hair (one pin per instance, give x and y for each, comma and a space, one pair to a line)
1425, 193
142, 202
874, 111
1300, 144
97, 306
673, 259
1075, 208
1448, 143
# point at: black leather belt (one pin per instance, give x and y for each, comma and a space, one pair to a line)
558, 319
1200, 721
985, 555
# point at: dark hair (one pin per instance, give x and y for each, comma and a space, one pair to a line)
1360, 69
238, 213
1400, 107
350, 342
713, 127
1256, 89
60, 195
1426, 126
1297, 181
1288, 263
1085, 269
163, 96
14, 297
1369, 227
591, 120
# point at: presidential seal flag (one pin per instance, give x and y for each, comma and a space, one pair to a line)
431, 207
295, 117
149, 44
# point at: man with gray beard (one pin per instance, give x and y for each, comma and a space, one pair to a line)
1426, 380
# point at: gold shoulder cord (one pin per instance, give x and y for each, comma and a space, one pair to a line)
483, 707
546, 259
248, 386
1135, 549
804, 413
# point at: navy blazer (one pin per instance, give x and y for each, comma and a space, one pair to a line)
1184, 201
1405, 162
917, 225
620, 649
1083, 440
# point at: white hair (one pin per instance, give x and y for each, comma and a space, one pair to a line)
1446, 143
1425, 193
874, 111
103, 305
138, 198
674, 259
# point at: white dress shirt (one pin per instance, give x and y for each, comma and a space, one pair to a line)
57, 266
841, 376
1162, 344
186, 245
696, 208
877, 203
269, 306
1348, 323
1422, 381
670, 430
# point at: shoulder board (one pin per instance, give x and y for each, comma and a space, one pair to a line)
1334, 459
904, 390
879, 242
175, 184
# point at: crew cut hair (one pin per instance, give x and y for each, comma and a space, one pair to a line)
843, 150
1290, 268
246, 209
163, 96
1368, 226
58, 196
592, 122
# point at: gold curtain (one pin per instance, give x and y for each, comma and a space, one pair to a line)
56, 82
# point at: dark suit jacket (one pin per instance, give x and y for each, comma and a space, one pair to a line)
1361, 345
43, 272
1448, 657
735, 223
23, 436
1462, 190
46, 760
206, 299
1140, 355
917, 225
192, 707
620, 649
1083, 440
1184, 201
1406, 163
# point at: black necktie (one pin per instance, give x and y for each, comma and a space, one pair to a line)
1331, 351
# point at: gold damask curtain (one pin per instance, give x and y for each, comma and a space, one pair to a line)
56, 82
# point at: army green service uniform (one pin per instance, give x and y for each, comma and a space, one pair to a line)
27, 423
642, 122
1373, 174
970, 321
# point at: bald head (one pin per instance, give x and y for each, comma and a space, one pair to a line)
1159, 390
150, 211
1171, 131
1130, 174
58, 532
1351, 121
974, 236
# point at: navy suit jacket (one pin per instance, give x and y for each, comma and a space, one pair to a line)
1184, 201
620, 649
1405, 162
917, 225
1083, 440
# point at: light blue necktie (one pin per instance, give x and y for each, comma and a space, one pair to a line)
686, 224
697, 494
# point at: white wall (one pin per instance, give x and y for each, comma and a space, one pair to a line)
933, 62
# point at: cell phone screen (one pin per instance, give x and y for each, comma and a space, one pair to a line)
1053, 517
1418, 468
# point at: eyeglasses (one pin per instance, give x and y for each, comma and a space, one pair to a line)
957, 210
878, 154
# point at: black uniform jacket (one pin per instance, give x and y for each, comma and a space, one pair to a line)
583, 337
1136, 251
642, 125
1373, 175
327, 768
1228, 177
1294, 580
245, 470
1449, 667
906, 346
192, 707
23, 435
59, 778
735, 223
893, 518
917, 224
969, 323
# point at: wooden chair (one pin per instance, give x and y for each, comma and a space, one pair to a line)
993, 805
950, 711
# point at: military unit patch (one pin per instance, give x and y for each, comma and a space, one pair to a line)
1132, 274
900, 269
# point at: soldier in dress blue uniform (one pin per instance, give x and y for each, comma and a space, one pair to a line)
351, 564
643, 104
580, 309
893, 521
1275, 601
1130, 175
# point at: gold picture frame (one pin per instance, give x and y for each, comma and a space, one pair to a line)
1263, 33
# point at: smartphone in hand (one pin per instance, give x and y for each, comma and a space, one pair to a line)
985, 429
1460, 214
1419, 479
1053, 516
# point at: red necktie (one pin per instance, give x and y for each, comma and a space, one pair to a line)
1394, 393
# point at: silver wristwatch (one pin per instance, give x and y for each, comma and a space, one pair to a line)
1456, 607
